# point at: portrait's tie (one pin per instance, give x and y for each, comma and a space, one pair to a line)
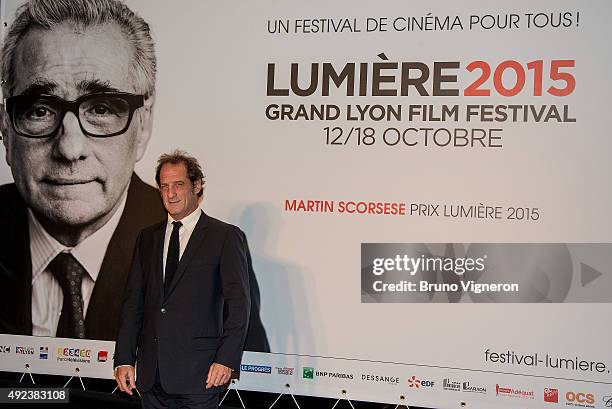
69, 274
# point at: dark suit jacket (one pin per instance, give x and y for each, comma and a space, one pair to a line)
201, 319
143, 207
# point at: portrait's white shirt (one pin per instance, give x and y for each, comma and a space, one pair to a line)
189, 223
47, 296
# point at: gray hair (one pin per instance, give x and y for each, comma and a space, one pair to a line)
83, 13
194, 170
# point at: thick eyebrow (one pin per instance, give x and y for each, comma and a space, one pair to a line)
96, 85
172, 182
40, 87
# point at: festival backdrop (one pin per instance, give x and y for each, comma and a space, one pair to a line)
425, 188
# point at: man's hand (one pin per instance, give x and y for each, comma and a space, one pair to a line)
125, 375
218, 375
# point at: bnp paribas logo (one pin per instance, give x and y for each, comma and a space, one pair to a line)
307, 372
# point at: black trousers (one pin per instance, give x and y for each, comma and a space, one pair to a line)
157, 398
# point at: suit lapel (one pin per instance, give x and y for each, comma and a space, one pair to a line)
158, 266
195, 241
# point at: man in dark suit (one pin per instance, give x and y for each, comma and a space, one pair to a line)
186, 306
79, 83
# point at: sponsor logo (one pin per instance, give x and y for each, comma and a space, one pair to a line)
284, 371
391, 380
513, 392
44, 353
5, 349
102, 356
466, 387
449, 385
307, 372
24, 350
580, 399
335, 375
256, 368
607, 400
80, 355
414, 382
551, 395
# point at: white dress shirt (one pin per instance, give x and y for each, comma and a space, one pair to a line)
189, 223
47, 296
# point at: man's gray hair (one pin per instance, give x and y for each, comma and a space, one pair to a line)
83, 14
194, 170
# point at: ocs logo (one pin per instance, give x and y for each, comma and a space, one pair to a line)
580, 397
414, 382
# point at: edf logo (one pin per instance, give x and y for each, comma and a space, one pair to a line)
414, 382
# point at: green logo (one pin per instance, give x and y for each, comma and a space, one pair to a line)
308, 373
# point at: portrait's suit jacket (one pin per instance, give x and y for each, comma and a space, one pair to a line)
101, 321
202, 317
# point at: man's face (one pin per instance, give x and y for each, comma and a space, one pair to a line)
70, 179
179, 195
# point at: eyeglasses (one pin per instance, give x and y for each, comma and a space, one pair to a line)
100, 114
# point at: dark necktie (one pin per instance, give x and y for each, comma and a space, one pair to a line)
69, 274
172, 258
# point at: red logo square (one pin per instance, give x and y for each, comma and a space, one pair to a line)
551, 395
102, 356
